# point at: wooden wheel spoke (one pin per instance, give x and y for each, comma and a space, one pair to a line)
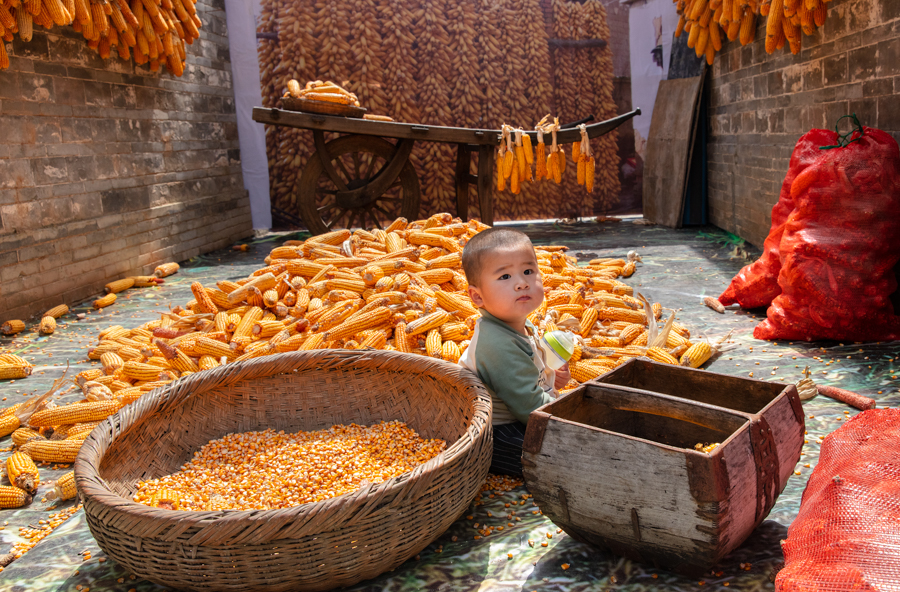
326, 191
356, 164
370, 167
383, 211
347, 176
340, 215
375, 220
327, 207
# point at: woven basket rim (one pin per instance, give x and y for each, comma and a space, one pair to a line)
92, 486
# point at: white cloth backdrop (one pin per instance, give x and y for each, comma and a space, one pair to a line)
241, 20
650, 23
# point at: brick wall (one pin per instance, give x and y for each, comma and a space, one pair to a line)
108, 169
761, 104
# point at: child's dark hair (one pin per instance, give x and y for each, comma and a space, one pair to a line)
485, 242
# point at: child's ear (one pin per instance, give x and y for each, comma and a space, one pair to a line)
475, 295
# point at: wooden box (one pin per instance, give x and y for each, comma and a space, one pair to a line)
613, 462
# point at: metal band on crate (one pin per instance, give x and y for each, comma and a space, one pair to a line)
765, 454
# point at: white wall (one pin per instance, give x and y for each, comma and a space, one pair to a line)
241, 19
650, 22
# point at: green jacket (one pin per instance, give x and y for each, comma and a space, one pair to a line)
511, 366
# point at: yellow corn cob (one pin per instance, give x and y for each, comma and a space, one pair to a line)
501, 180
145, 281
57, 311
529, 151
436, 276
119, 285
622, 314
747, 31
64, 488
112, 362
514, 181
450, 351
521, 162
48, 325
22, 435
583, 372
13, 497
660, 355
315, 341
433, 343
630, 333
589, 174
428, 322
167, 499
329, 97
15, 371
355, 324
205, 346
12, 327
166, 269
376, 340
588, 320
24, 23
371, 274
579, 168
455, 331
450, 262
22, 472
140, 371
697, 355
105, 301
540, 162
74, 413
208, 362
58, 451
203, 299
401, 341
245, 327
507, 164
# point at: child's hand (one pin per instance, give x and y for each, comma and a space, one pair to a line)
562, 377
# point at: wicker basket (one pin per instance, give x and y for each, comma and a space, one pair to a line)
316, 546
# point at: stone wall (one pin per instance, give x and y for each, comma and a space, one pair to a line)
108, 169
761, 104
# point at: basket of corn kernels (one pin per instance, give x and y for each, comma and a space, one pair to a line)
310, 416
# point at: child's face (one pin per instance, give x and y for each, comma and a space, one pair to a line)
510, 285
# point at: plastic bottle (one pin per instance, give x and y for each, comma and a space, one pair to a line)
558, 347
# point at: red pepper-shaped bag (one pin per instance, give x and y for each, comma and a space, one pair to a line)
756, 285
840, 245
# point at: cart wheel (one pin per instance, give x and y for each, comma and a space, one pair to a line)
357, 160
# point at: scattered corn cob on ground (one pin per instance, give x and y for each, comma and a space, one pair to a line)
495, 508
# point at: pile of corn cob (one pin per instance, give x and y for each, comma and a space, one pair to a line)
155, 29
13, 367
401, 288
708, 21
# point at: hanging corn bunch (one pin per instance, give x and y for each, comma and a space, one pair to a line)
584, 156
708, 21
155, 30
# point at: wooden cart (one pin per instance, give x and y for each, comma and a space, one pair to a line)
361, 178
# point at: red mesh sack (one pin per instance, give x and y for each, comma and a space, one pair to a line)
847, 533
756, 284
840, 245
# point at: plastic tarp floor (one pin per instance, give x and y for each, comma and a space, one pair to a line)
679, 268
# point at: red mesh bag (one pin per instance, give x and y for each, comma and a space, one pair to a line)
847, 533
756, 284
840, 245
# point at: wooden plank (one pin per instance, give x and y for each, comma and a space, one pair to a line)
463, 164
603, 481
486, 184
668, 149
411, 131
746, 395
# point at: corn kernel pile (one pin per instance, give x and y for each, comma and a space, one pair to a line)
271, 470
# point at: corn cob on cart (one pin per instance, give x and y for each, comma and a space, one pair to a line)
361, 178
